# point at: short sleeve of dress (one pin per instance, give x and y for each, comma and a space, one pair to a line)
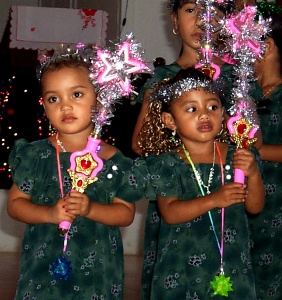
134, 179
164, 179
23, 161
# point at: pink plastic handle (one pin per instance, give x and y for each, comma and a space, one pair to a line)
239, 176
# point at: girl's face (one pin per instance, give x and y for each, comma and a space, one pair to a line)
186, 21
68, 96
196, 115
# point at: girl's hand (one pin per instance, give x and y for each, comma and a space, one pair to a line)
59, 213
244, 159
229, 194
77, 204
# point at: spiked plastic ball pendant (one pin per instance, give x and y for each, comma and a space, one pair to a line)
221, 285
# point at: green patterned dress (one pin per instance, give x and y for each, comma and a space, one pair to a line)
94, 250
266, 228
188, 256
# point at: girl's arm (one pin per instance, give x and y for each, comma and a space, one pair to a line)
139, 123
271, 153
20, 207
119, 213
176, 211
255, 197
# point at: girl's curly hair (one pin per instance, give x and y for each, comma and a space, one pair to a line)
154, 137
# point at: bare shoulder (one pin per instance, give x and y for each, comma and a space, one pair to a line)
107, 151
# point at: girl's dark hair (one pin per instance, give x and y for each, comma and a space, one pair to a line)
61, 61
57, 62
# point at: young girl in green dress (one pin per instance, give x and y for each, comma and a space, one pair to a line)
204, 230
39, 169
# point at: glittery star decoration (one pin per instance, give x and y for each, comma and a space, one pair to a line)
245, 42
221, 285
111, 73
118, 66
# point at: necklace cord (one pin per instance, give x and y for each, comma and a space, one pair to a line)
272, 88
222, 209
200, 184
61, 185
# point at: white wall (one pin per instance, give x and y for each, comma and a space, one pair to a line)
4, 10
11, 231
149, 20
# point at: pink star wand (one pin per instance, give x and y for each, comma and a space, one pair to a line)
109, 74
246, 44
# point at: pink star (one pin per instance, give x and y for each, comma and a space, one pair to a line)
119, 66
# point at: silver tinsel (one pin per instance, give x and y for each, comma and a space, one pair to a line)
245, 43
168, 92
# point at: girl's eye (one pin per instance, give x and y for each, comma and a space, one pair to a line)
52, 99
191, 10
213, 107
77, 94
191, 109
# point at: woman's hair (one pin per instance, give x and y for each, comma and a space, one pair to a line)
274, 12
276, 35
174, 5
154, 137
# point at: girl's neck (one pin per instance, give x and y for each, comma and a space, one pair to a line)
203, 153
70, 142
190, 57
268, 72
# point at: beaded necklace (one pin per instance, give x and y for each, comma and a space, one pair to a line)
220, 281
197, 174
60, 143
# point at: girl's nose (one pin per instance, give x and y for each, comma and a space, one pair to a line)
204, 115
65, 105
198, 19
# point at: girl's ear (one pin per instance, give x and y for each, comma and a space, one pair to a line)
173, 18
270, 46
168, 120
